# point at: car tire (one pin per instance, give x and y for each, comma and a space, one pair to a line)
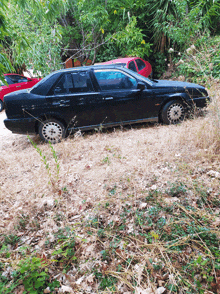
51, 130
1, 105
173, 112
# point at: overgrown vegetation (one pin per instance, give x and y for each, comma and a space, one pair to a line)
118, 211
149, 243
134, 217
43, 34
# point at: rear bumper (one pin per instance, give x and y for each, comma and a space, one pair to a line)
21, 125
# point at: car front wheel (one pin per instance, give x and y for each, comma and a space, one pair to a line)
173, 112
51, 130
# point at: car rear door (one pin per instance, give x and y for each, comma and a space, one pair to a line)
12, 86
76, 100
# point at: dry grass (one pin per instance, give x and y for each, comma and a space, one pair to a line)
100, 175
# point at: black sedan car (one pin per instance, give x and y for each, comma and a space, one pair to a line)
87, 97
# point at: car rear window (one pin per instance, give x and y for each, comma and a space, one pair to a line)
132, 66
140, 64
43, 87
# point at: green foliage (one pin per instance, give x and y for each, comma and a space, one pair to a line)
32, 272
34, 277
40, 46
158, 63
109, 50
201, 61
106, 160
67, 249
11, 239
108, 282
176, 189
131, 41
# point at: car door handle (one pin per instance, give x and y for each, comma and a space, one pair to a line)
108, 98
64, 102
61, 103
18, 86
56, 103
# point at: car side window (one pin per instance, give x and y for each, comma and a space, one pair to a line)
61, 87
77, 82
132, 66
81, 82
140, 64
114, 80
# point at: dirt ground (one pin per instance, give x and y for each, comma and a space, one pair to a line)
3, 130
6, 136
109, 181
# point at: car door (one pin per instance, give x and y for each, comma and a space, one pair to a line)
75, 99
17, 81
122, 101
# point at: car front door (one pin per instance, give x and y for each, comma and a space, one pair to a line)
12, 86
122, 100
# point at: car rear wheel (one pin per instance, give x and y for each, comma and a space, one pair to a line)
51, 130
1, 105
173, 112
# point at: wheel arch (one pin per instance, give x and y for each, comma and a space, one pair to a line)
170, 98
46, 116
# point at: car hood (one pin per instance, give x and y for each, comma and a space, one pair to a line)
175, 84
190, 89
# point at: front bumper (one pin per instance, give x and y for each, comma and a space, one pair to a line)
201, 101
21, 125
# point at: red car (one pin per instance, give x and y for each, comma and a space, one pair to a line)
15, 82
136, 64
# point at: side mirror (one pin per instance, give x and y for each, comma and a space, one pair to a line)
141, 86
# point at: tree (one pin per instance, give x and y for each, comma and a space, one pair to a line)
42, 33
5, 64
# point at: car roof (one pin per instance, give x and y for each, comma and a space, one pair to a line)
10, 74
83, 68
120, 60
